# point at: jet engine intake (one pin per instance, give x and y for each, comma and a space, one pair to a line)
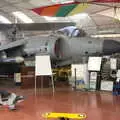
47, 45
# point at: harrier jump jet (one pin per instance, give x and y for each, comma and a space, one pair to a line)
63, 46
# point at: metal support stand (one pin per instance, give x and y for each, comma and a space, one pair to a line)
35, 86
53, 86
41, 83
75, 79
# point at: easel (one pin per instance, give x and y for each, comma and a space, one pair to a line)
43, 68
53, 87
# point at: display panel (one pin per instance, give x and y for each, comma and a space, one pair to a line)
94, 63
43, 65
113, 63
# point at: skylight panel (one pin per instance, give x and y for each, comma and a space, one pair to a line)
22, 17
4, 20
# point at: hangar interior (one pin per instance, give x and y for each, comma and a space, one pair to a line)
84, 70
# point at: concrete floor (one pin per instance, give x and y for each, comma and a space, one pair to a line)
96, 105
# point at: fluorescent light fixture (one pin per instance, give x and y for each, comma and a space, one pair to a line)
56, 19
79, 15
4, 20
66, 1
62, 1
106, 36
21, 16
50, 18
106, 31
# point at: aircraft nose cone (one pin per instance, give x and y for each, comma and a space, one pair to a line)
110, 47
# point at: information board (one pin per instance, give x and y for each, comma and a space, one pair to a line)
43, 65
113, 63
94, 63
107, 85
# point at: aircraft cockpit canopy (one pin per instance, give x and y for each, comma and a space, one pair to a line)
72, 31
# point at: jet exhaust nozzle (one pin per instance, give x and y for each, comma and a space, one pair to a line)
111, 46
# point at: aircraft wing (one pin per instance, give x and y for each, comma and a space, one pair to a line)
37, 26
12, 45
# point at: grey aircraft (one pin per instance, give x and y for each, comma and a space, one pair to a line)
63, 49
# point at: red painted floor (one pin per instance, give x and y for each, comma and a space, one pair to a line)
96, 105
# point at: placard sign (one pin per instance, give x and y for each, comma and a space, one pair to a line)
43, 65
107, 85
79, 70
94, 63
113, 63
